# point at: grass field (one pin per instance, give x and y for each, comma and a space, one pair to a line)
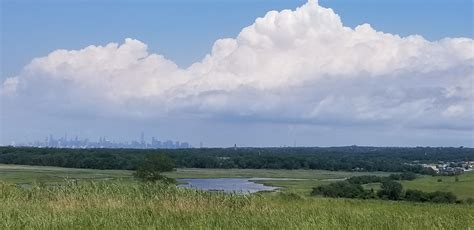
267, 173
463, 188
134, 205
112, 199
301, 187
45, 174
27, 174
50, 173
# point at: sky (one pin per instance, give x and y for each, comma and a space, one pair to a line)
251, 73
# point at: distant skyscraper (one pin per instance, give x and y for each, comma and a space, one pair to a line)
51, 140
103, 142
142, 139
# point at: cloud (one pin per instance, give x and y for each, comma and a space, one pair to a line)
300, 66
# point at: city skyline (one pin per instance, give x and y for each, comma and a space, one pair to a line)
103, 142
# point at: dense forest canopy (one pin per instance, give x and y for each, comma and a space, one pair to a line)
350, 158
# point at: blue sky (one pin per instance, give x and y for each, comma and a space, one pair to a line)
184, 31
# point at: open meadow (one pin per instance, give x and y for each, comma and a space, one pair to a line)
48, 174
63, 198
111, 205
304, 181
45, 174
463, 187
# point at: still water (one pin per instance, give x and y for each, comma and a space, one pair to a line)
227, 185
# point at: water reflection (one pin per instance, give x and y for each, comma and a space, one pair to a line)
227, 185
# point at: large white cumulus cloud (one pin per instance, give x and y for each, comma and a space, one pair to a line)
299, 66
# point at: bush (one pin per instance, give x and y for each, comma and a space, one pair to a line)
408, 176
435, 197
153, 166
394, 177
340, 189
416, 196
469, 200
442, 197
390, 190
368, 194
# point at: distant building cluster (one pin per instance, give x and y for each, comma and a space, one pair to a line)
450, 168
103, 142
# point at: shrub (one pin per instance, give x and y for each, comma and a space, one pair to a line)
394, 176
408, 176
390, 190
416, 196
153, 166
340, 189
442, 197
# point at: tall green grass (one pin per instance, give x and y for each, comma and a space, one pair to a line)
115, 205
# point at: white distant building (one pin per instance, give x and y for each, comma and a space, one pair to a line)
434, 167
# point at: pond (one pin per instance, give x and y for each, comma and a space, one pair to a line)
227, 185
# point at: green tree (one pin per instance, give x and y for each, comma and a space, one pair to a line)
390, 190
153, 166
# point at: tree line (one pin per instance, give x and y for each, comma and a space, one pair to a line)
389, 190
367, 179
350, 158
